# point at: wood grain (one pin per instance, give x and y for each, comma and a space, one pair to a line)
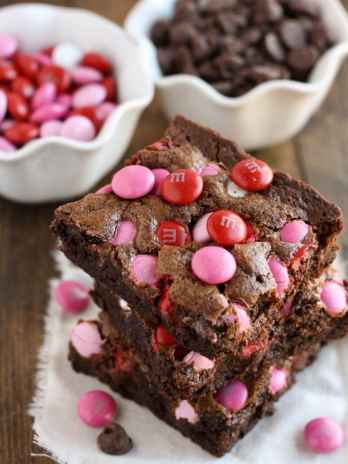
318, 154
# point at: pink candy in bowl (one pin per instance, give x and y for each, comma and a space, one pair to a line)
63, 123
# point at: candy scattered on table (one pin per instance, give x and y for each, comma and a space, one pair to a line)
114, 440
97, 409
55, 85
323, 435
72, 296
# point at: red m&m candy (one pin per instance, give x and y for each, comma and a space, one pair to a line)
227, 228
21, 132
162, 338
27, 65
182, 187
55, 74
23, 86
96, 61
17, 106
252, 175
172, 233
7, 71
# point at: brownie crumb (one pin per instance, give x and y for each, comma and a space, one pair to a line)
114, 440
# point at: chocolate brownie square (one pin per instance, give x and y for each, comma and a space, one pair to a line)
197, 226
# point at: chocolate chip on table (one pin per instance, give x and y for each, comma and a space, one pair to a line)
267, 11
274, 47
114, 440
303, 59
292, 34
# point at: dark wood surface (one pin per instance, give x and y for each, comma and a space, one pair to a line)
319, 154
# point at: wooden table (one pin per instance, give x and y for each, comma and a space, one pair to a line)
318, 155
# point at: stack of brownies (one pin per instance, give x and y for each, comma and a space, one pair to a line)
213, 275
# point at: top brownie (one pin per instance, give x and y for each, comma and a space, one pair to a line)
182, 241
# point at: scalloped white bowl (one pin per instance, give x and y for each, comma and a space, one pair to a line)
270, 113
57, 168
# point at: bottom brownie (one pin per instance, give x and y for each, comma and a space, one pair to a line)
205, 421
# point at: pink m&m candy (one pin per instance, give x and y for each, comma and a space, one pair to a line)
78, 128
200, 231
279, 380
241, 317
294, 232
133, 182
3, 104
51, 128
8, 45
280, 274
105, 189
86, 75
44, 95
105, 110
97, 408
199, 362
160, 175
144, 270
323, 435
72, 296
213, 265
48, 112
187, 412
233, 396
6, 146
124, 234
86, 339
334, 297
89, 95
210, 170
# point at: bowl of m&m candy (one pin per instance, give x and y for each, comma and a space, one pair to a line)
72, 87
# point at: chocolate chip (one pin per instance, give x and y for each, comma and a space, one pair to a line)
263, 73
232, 45
302, 7
252, 36
183, 62
165, 59
160, 33
318, 36
303, 59
182, 33
114, 440
184, 10
228, 64
292, 34
209, 6
224, 87
208, 72
200, 47
274, 47
267, 11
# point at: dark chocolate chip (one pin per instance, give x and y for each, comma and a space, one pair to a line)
292, 34
228, 64
183, 62
303, 7
200, 47
252, 36
209, 6
114, 440
182, 33
266, 11
263, 73
303, 59
224, 87
318, 36
274, 47
160, 33
185, 10
208, 71
232, 45
165, 59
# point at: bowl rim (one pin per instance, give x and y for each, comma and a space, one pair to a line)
29, 149
340, 49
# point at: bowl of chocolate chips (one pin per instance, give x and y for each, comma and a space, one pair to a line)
255, 70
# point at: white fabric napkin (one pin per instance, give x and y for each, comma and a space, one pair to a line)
321, 390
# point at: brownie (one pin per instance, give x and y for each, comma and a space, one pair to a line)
174, 368
204, 420
199, 315
235, 45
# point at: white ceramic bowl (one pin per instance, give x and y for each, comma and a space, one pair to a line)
57, 168
270, 113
